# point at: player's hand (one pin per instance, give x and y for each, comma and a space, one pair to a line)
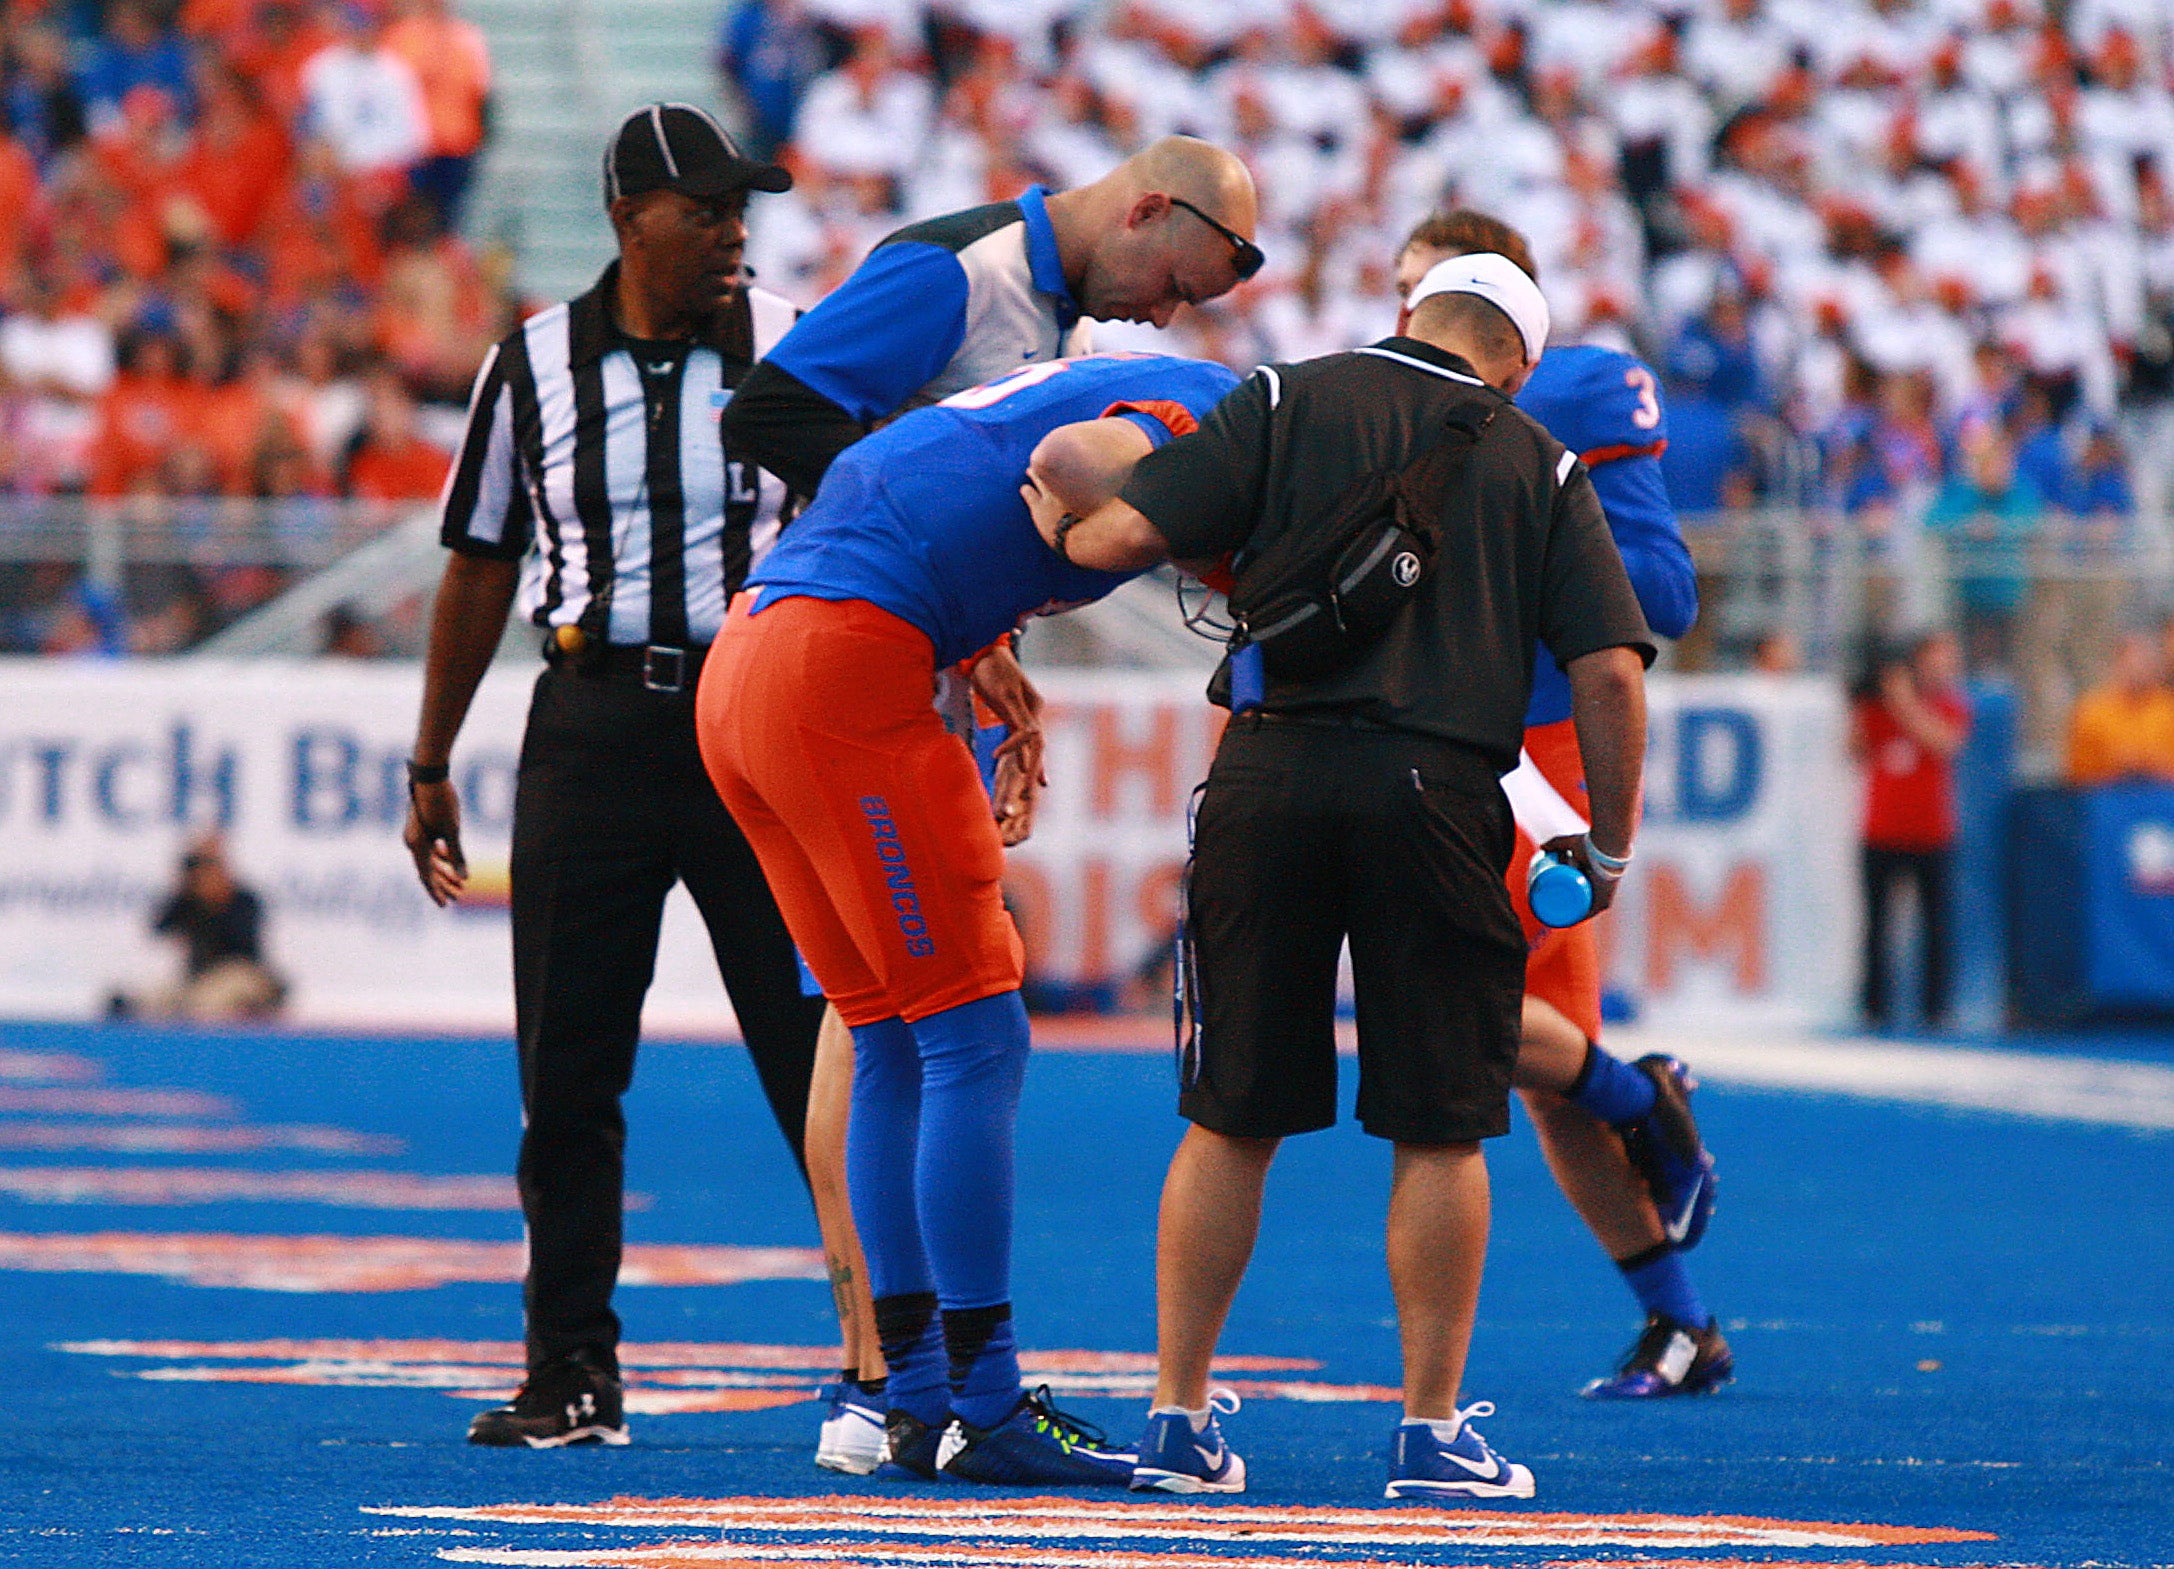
1012, 795
1572, 848
1047, 509
433, 839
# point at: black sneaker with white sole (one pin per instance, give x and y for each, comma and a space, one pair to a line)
1669, 1359
573, 1400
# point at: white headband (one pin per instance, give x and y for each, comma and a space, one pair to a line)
1501, 283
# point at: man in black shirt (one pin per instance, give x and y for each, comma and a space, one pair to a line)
1363, 803
220, 925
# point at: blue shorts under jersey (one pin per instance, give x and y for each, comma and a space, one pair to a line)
924, 518
1605, 406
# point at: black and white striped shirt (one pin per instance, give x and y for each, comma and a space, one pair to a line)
596, 460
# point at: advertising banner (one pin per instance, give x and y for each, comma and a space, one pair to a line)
1742, 902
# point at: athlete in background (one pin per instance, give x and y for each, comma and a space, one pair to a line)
870, 822
1618, 1136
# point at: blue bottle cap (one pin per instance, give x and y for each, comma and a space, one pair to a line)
1559, 892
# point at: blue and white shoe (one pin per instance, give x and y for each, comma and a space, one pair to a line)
1666, 1149
1176, 1459
852, 1436
1423, 1466
1036, 1446
1669, 1359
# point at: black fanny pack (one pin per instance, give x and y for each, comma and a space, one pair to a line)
1321, 595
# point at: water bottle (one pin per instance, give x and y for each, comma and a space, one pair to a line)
1560, 894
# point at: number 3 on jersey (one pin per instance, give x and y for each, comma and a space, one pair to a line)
1648, 413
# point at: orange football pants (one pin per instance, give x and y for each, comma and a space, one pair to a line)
1563, 969
817, 725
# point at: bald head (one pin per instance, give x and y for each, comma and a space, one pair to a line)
1144, 239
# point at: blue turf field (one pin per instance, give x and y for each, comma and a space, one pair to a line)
1945, 1322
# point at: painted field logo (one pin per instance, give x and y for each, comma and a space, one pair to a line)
342, 1264
897, 876
663, 1379
1063, 1533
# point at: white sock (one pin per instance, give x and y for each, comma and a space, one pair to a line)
1444, 1429
1199, 1418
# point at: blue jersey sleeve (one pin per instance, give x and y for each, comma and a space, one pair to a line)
884, 333
1654, 554
1600, 403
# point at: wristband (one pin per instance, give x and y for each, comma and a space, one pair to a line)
1065, 526
428, 773
1611, 866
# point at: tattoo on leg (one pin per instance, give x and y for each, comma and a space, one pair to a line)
841, 1290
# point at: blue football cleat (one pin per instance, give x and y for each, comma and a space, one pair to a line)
910, 1445
1036, 1446
1176, 1459
1423, 1466
1666, 1149
1669, 1359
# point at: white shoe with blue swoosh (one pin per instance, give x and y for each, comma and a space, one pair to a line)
1424, 1465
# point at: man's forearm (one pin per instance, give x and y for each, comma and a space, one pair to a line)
1608, 705
1112, 538
466, 622
777, 422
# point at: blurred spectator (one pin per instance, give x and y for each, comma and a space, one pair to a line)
362, 99
2123, 728
1908, 720
349, 634
452, 62
1987, 515
44, 110
392, 461
770, 52
1778, 653
1712, 357
436, 315
219, 923
134, 51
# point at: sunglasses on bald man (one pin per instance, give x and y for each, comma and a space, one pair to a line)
1245, 256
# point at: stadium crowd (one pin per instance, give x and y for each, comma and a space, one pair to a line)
1907, 263
232, 282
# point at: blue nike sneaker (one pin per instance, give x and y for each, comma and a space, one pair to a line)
1036, 1446
1669, 1359
1666, 1149
1423, 1466
1176, 1459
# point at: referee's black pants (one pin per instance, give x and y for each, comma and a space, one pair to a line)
613, 807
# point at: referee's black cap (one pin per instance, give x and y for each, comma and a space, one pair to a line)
677, 147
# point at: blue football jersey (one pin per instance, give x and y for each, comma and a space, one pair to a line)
1606, 407
924, 518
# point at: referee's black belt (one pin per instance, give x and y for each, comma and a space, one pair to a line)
656, 667
1318, 719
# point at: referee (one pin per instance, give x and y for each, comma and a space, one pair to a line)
593, 481
1363, 803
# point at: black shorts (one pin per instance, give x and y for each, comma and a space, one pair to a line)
1311, 833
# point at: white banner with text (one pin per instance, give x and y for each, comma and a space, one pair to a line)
1742, 903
